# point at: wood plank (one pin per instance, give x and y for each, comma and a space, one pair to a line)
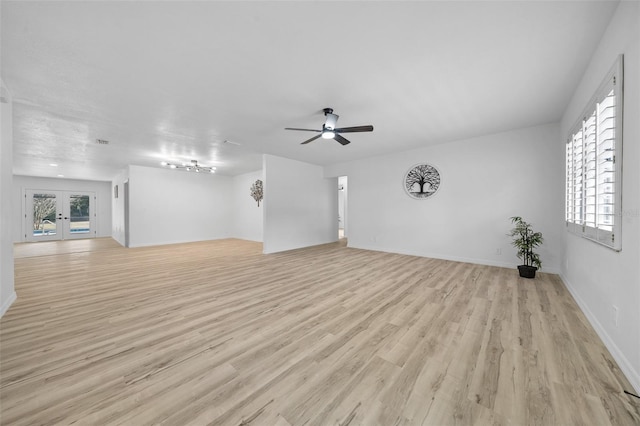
215, 332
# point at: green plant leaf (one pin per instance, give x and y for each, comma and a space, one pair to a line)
525, 240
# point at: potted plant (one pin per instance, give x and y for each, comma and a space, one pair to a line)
525, 240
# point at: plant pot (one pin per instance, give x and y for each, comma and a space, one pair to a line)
527, 271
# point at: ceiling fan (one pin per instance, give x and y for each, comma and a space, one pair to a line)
329, 130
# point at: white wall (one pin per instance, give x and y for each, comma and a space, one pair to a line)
173, 206
300, 205
485, 181
7, 292
600, 278
101, 189
247, 215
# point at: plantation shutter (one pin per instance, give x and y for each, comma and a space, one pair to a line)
606, 152
593, 192
569, 191
577, 177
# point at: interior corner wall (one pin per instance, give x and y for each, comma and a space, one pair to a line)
300, 205
247, 217
485, 181
598, 277
100, 188
7, 288
175, 206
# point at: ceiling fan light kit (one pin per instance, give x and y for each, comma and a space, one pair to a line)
329, 130
190, 167
328, 134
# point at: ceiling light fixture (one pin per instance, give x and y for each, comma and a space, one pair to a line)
190, 167
328, 134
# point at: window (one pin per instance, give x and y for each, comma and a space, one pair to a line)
593, 165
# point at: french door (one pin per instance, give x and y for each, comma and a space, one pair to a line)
59, 215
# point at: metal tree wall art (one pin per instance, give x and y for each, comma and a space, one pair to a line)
422, 181
256, 191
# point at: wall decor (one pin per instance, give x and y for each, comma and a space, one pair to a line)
422, 181
256, 191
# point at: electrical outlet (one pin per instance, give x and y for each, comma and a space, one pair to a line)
615, 315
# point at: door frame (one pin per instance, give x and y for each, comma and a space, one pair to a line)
63, 224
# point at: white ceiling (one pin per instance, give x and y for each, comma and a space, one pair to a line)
173, 80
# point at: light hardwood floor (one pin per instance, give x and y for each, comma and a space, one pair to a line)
218, 333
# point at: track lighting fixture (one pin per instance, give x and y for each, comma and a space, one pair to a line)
190, 167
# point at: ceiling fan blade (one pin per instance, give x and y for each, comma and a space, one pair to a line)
341, 140
304, 130
312, 139
354, 129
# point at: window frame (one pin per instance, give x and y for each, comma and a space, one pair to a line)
588, 164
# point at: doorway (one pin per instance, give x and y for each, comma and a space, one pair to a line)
342, 207
59, 215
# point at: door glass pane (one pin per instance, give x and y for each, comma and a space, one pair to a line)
44, 215
79, 214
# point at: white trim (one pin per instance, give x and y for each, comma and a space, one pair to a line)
7, 304
625, 366
168, 243
486, 262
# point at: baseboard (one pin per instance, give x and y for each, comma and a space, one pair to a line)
625, 366
269, 250
171, 242
487, 262
7, 304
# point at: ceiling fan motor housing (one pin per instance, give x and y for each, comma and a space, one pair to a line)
331, 120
